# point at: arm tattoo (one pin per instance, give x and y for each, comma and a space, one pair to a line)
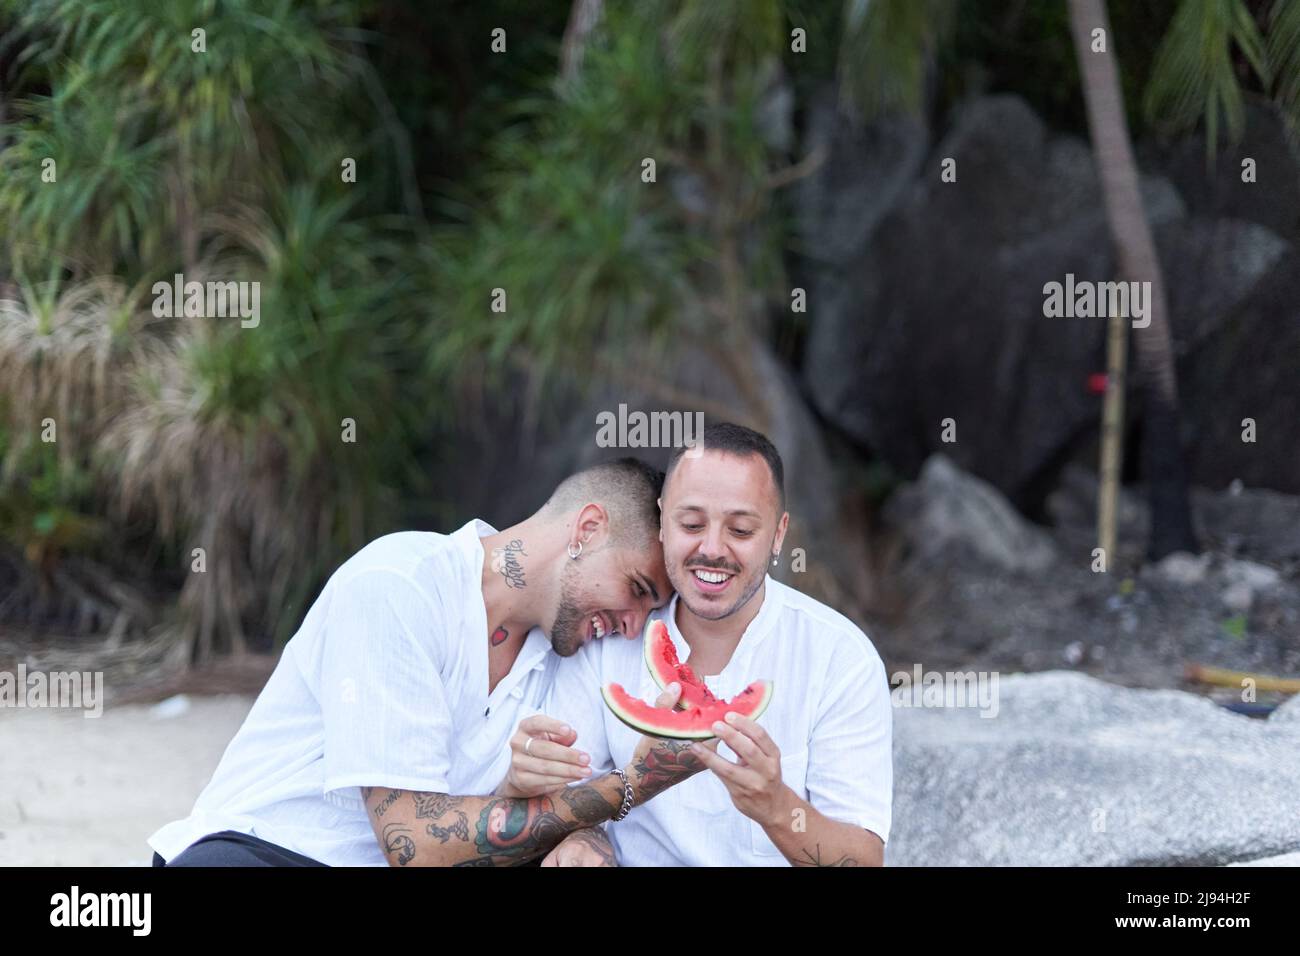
434, 805
508, 831
505, 561
587, 805
597, 841
668, 763
397, 840
511, 828
458, 829
385, 803
815, 859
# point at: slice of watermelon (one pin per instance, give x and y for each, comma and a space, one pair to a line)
693, 724
661, 658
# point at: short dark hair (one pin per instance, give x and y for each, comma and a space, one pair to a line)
627, 488
738, 440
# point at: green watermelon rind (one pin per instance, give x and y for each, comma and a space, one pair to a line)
675, 733
647, 654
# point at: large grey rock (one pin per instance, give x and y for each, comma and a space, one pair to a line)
1287, 712
1273, 200
943, 314
1210, 267
940, 315
864, 172
1248, 366
1074, 771
948, 508
1253, 523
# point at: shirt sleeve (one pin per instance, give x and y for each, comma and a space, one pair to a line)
850, 760
575, 698
387, 719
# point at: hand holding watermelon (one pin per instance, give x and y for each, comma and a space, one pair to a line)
754, 782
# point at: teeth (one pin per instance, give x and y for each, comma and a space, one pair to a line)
597, 626
711, 577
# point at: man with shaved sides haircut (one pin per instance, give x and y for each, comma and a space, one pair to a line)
383, 729
808, 784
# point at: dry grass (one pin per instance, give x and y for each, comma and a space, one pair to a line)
117, 382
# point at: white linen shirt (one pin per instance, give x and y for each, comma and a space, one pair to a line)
384, 685
830, 716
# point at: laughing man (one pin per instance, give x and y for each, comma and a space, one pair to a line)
381, 732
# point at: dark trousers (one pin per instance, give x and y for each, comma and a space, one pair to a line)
229, 848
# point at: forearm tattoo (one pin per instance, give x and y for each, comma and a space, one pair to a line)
432, 805
508, 827
596, 840
458, 829
664, 765
398, 843
387, 802
507, 831
587, 805
814, 858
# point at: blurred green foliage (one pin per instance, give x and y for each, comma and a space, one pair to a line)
474, 172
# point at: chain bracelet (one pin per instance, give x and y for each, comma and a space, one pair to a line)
627, 796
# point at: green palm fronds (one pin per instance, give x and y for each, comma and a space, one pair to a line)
81, 182
1193, 78
1283, 48
886, 49
171, 160
140, 122
591, 258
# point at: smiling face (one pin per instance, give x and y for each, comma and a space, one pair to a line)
722, 523
608, 590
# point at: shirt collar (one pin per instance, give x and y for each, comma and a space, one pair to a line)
763, 624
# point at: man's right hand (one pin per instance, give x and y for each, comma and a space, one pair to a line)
549, 762
542, 758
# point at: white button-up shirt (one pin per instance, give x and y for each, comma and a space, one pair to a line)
384, 685
830, 716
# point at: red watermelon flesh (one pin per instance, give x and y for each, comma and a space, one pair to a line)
661, 658
696, 723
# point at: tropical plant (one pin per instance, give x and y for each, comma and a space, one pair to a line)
221, 163
1195, 78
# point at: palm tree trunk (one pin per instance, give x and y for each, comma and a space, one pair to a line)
1162, 454
1112, 435
583, 18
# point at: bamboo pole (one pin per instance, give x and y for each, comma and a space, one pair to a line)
1112, 436
1220, 677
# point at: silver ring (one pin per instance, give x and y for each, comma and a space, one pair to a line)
528, 744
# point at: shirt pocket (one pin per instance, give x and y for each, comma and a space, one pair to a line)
702, 793
794, 774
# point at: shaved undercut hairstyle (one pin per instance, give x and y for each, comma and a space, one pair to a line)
627, 488
740, 441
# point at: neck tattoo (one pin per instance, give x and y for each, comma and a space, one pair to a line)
505, 562
500, 636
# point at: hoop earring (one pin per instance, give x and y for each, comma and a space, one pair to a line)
574, 554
